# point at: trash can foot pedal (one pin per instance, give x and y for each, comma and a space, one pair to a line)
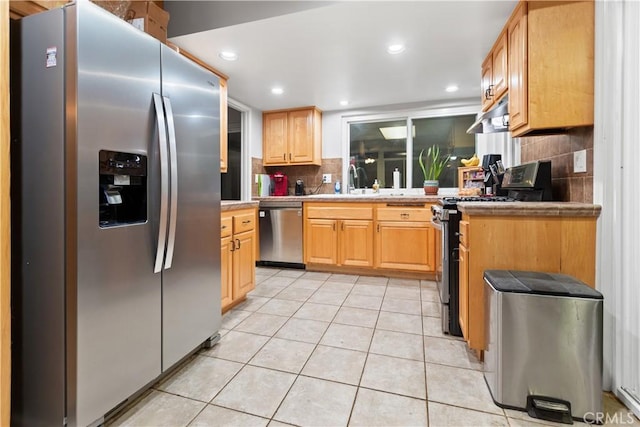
549, 408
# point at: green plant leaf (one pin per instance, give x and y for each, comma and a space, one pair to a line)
434, 164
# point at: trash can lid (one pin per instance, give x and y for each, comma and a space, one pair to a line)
539, 283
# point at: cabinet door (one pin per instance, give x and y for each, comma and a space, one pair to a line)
244, 263
224, 126
356, 243
226, 270
463, 301
500, 68
301, 132
487, 79
274, 139
405, 246
321, 241
518, 97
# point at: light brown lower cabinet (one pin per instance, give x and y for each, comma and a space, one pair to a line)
535, 243
333, 237
405, 239
369, 236
237, 255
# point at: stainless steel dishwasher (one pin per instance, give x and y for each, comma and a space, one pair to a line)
280, 224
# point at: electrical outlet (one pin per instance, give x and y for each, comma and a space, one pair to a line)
326, 178
580, 161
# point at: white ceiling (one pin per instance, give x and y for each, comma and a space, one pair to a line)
338, 51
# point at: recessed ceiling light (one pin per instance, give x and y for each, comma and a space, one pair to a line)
277, 91
344, 102
227, 55
394, 49
452, 88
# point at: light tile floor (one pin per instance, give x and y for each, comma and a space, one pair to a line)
321, 349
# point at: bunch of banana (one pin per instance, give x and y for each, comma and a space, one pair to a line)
473, 161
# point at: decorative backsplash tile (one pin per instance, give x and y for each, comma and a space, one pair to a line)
567, 185
311, 175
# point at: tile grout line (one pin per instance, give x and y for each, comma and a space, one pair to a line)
310, 354
364, 365
424, 357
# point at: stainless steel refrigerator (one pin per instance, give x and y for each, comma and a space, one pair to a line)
120, 207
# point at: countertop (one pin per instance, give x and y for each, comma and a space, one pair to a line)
530, 209
472, 208
368, 198
230, 205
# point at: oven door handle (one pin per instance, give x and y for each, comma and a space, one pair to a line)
436, 224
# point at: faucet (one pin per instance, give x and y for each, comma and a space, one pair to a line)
353, 180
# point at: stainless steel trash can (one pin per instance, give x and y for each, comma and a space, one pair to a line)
544, 344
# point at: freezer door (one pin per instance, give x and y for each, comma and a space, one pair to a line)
191, 277
118, 305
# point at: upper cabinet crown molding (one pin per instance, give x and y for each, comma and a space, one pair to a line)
292, 137
549, 56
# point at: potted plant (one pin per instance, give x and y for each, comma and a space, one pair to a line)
432, 167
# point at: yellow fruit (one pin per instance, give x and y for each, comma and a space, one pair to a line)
473, 161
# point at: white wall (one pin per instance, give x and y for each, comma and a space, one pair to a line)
499, 143
615, 154
332, 134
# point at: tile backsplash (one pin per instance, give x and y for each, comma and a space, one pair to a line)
310, 174
567, 185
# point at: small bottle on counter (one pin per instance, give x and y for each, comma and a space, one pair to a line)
396, 179
375, 185
336, 187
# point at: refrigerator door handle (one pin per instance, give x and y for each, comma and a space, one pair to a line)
164, 182
173, 193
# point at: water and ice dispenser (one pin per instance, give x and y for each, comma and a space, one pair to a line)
123, 188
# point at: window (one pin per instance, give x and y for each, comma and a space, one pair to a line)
377, 147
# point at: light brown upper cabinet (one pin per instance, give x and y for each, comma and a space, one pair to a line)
550, 63
292, 137
494, 73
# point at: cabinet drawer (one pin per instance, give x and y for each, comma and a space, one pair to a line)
244, 222
404, 214
335, 212
464, 233
226, 224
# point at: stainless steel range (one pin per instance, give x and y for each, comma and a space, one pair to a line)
446, 218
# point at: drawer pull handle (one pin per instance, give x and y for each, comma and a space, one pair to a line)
246, 221
224, 226
404, 215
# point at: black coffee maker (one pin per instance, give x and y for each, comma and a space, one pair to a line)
493, 174
299, 188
